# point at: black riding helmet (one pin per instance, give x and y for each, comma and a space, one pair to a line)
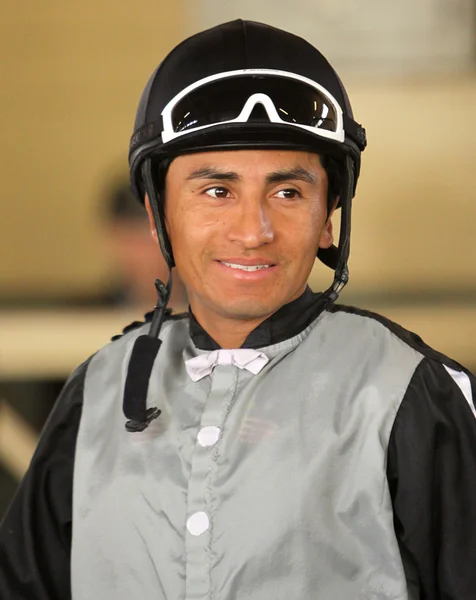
240, 85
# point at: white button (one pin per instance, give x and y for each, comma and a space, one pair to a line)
198, 523
208, 435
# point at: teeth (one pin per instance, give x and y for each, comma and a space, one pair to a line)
246, 268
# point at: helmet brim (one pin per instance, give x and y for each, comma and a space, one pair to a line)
237, 136
257, 135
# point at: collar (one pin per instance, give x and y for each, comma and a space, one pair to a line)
285, 323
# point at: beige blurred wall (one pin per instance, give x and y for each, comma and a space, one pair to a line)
415, 209
71, 77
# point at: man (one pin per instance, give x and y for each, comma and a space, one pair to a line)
270, 444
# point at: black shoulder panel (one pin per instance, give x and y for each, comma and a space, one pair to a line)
431, 468
35, 535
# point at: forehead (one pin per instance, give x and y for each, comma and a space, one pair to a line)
246, 163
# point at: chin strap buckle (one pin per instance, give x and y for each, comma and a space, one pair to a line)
340, 281
134, 426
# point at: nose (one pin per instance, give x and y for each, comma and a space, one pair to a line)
251, 225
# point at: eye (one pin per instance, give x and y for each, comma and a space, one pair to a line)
217, 192
288, 194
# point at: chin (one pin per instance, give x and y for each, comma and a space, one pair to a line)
249, 308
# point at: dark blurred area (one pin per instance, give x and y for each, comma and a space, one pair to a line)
136, 260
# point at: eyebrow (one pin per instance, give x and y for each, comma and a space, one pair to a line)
296, 173
212, 173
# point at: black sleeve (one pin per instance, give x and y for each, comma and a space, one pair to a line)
35, 535
431, 472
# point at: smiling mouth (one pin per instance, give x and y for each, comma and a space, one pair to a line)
247, 268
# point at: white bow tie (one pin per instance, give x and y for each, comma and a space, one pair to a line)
243, 358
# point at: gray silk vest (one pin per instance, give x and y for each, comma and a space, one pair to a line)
283, 497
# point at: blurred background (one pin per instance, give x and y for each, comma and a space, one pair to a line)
77, 263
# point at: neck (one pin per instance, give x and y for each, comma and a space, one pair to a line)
227, 332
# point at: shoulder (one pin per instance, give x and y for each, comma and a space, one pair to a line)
368, 323
136, 328
437, 405
439, 392
68, 405
174, 326
435, 376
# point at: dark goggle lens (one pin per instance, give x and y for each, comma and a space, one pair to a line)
223, 100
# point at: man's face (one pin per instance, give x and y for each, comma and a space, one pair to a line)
245, 227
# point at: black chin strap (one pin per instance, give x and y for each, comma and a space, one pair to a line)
141, 363
336, 258
154, 184
146, 347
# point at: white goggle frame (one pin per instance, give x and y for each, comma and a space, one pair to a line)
168, 133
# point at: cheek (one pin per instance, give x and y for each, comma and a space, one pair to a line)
191, 237
196, 224
306, 234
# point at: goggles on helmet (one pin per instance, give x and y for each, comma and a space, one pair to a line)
242, 96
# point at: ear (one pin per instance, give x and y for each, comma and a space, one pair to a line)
327, 234
151, 219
